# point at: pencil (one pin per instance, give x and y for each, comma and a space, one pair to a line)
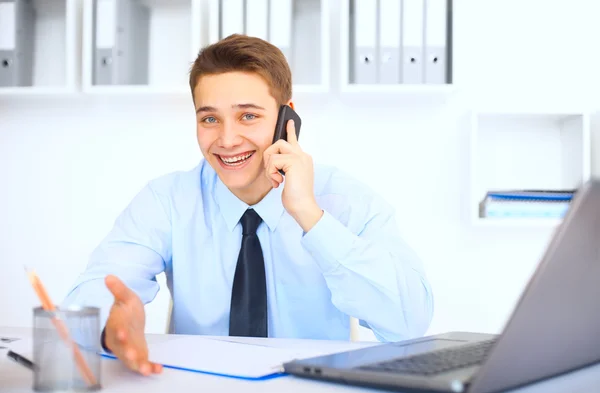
62, 329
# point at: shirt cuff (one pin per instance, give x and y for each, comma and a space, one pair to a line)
329, 241
103, 341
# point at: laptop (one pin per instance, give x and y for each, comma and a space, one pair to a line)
552, 330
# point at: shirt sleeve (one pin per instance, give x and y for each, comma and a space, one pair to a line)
373, 275
136, 250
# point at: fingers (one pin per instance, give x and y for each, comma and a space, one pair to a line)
291, 133
125, 330
279, 147
132, 350
118, 289
274, 164
276, 179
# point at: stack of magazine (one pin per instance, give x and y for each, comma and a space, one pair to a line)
526, 204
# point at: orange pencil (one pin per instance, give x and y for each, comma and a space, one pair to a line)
62, 329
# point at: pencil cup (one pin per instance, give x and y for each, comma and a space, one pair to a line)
66, 346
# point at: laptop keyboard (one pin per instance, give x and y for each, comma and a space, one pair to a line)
436, 362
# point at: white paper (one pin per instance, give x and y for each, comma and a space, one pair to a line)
230, 358
22, 345
7, 26
306, 348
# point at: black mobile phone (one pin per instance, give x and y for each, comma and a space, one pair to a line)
286, 113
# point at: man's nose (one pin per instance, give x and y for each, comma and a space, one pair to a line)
230, 136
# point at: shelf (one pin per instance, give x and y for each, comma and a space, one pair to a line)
140, 89
398, 89
36, 91
517, 222
300, 28
45, 39
381, 53
520, 150
144, 46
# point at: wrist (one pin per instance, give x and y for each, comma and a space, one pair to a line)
307, 215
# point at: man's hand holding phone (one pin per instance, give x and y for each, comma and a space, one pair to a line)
298, 193
124, 331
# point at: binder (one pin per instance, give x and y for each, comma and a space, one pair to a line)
413, 24
390, 14
257, 12
532, 195
17, 24
121, 35
232, 17
280, 26
436, 41
364, 51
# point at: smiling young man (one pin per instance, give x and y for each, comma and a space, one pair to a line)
247, 251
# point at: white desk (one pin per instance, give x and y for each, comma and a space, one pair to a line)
116, 379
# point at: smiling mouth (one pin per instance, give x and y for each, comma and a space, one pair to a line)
235, 160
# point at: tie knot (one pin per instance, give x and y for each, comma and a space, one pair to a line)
250, 222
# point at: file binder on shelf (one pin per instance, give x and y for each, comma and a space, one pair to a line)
256, 18
17, 29
280, 17
267, 19
364, 60
438, 28
299, 28
397, 45
413, 50
121, 42
535, 195
232, 18
526, 204
390, 15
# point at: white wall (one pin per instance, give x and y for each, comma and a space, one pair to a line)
68, 166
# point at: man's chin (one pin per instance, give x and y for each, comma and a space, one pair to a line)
236, 180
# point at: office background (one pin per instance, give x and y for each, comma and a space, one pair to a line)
69, 163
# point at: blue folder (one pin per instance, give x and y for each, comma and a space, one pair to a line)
261, 378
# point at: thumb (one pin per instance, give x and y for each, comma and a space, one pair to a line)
118, 289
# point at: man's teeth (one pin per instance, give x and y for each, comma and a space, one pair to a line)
236, 159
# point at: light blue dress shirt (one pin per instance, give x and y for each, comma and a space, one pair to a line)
351, 263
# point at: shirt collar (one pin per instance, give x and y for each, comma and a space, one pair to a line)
270, 208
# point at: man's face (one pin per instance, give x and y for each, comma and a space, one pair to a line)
236, 118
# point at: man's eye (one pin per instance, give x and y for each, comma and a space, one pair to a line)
209, 119
249, 116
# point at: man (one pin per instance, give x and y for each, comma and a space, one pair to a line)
247, 251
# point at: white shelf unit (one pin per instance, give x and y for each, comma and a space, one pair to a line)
47, 49
140, 46
382, 54
300, 28
514, 150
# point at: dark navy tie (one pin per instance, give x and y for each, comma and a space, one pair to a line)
248, 313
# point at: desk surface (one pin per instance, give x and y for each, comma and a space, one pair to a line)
115, 378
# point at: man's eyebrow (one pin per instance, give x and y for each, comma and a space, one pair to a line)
246, 106
206, 109
235, 106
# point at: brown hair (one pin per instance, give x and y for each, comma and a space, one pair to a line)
239, 52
